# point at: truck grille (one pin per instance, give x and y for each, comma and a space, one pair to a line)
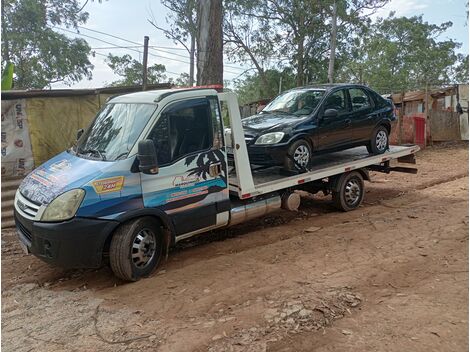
26, 207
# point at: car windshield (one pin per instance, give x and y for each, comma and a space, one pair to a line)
114, 131
297, 102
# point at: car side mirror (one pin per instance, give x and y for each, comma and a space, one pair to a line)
79, 133
147, 156
330, 114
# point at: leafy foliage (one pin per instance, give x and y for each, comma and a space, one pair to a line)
251, 89
402, 53
42, 56
131, 71
7, 76
461, 71
182, 27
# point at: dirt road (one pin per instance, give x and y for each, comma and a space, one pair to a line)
390, 276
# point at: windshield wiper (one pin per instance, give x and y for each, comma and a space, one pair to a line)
92, 151
281, 111
121, 155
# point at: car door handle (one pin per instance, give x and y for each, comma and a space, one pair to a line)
348, 122
215, 169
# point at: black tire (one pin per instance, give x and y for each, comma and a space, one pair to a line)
379, 142
127, 254
304, 160
348, 192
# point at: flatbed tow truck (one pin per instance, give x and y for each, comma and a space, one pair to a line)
172, 182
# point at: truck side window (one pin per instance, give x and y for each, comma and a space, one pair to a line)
183, 128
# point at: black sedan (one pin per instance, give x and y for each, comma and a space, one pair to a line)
318, 119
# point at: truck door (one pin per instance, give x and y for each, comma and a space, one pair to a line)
191, 186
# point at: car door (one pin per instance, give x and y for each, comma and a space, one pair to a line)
362, 115
191, 185
334, 132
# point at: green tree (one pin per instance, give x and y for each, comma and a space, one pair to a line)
401, 54
131, 71
182, 24
41, 55
248, 89
461, 71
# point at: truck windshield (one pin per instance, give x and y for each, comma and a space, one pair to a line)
114, 131
296, 102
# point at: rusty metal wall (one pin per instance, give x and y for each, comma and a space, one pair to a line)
445, 126
9, 187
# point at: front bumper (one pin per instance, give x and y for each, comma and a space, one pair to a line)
273, 155
76, 243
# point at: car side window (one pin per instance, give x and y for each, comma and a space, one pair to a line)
183, 128
336, 101
359, 99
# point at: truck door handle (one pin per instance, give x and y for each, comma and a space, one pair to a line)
215, 169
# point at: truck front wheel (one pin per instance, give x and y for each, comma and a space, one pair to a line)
348, 192
136, 249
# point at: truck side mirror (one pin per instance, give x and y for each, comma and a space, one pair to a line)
330, 114
147, 156
79, 133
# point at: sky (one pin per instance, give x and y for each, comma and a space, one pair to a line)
128, 20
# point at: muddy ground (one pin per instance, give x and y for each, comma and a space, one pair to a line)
390, 276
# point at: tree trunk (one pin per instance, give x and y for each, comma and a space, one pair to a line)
6, 44
331, 66
192, 51
209, 43
300, 62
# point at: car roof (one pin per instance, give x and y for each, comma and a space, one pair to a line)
329, 86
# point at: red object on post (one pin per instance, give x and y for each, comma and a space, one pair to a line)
420, 130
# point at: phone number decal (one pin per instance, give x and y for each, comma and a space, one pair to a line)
108, 185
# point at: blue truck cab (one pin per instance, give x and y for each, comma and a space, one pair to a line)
97, 197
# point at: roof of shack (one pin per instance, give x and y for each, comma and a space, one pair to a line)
49, 93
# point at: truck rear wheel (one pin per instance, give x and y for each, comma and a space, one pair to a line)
136, 249
349, 191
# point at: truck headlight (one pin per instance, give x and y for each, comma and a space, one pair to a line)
270, 138
64, 206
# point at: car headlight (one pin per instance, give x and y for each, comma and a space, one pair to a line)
270, 138
64, 206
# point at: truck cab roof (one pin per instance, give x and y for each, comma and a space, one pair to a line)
155, 96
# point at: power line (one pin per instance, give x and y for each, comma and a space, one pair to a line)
166, 71
118, 47
153, 47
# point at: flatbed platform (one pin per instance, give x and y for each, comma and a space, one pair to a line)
272, 179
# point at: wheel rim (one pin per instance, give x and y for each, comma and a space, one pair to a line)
352, 192
143, 248
381, 140
302, 155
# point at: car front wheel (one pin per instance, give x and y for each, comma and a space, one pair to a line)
298, 156
379, 141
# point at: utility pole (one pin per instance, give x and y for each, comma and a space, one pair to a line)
146, 54
331, 66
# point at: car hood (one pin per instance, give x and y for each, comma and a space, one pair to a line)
58, 175
268, 121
